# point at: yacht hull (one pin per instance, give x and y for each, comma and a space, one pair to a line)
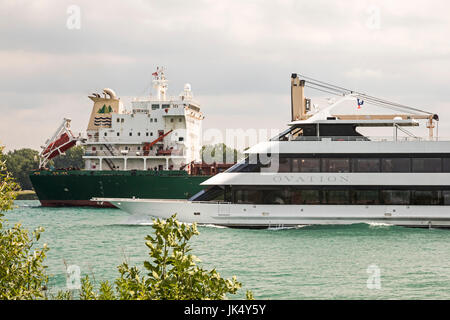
263, 216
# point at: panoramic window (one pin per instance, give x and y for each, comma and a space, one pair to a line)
446, 197
336, 165
446, 165
396, 165
305, 197
426, 197
247, 196
366, 197
426, 165
395, 196
336, 196
366, 165
284, 165
277, 196
306, 165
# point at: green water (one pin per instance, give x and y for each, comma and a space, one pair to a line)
314, 262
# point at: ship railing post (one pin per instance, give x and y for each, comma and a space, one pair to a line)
124, 163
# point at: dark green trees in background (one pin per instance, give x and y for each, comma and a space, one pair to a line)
220, 153
20, 162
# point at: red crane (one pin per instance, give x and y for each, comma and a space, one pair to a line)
148, 145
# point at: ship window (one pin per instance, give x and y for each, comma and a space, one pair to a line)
426, 197
336, 196
105, 134
139, 148
146, 134
396, 165
306, 165
248, 196
305, 196
277, 196
446, 197
151, 133
131, 134
156, 120
151, 119
118, 134
426, 165
155, 106
366, 165
179, 120
139, 134
180, 139
122, 120
171, 119
366, 197
117, 120
395, 196
336, 165
165, 106
284, 165
446, 165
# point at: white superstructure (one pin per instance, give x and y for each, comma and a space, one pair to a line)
158, 133
322, 170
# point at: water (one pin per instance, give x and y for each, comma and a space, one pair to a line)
313, 262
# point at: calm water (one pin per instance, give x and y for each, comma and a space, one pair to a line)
314, 262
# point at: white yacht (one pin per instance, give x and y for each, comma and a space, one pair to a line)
323, 170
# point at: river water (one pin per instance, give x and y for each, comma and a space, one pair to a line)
313, 262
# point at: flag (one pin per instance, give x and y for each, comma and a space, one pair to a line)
360, 103
155, 73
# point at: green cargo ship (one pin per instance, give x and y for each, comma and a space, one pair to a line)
76, 188
150, 151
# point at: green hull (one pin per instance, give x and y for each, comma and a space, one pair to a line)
76, 188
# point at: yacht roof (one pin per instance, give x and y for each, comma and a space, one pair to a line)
362, 123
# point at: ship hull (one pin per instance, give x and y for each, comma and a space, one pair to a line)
64, 188
267, 216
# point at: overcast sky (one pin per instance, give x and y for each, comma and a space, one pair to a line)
237, 56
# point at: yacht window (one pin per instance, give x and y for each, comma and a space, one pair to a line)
277, 196
395, 196
336, 196
366, 197
426, 165
446, 165
396, 165
366, 165
248, 196
336, 165
306, 165
284, 165
446, 197
426, 197
305, 196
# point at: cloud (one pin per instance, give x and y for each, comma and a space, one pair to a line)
234, 53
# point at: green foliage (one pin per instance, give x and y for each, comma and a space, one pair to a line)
171, 273
8, 188
20, 163
219, 153
73, 158
22, 272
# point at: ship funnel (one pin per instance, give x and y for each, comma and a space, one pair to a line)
298, 101
110, 93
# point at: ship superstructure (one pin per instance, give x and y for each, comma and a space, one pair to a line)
158, 133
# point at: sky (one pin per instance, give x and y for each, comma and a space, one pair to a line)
237, 55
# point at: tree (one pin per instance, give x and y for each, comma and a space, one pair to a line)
22, 273
219, 153
171, 273
20, 163
73, 158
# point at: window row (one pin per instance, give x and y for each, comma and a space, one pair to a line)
359, 165
287, 195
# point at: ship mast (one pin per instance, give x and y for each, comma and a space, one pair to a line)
160, 83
